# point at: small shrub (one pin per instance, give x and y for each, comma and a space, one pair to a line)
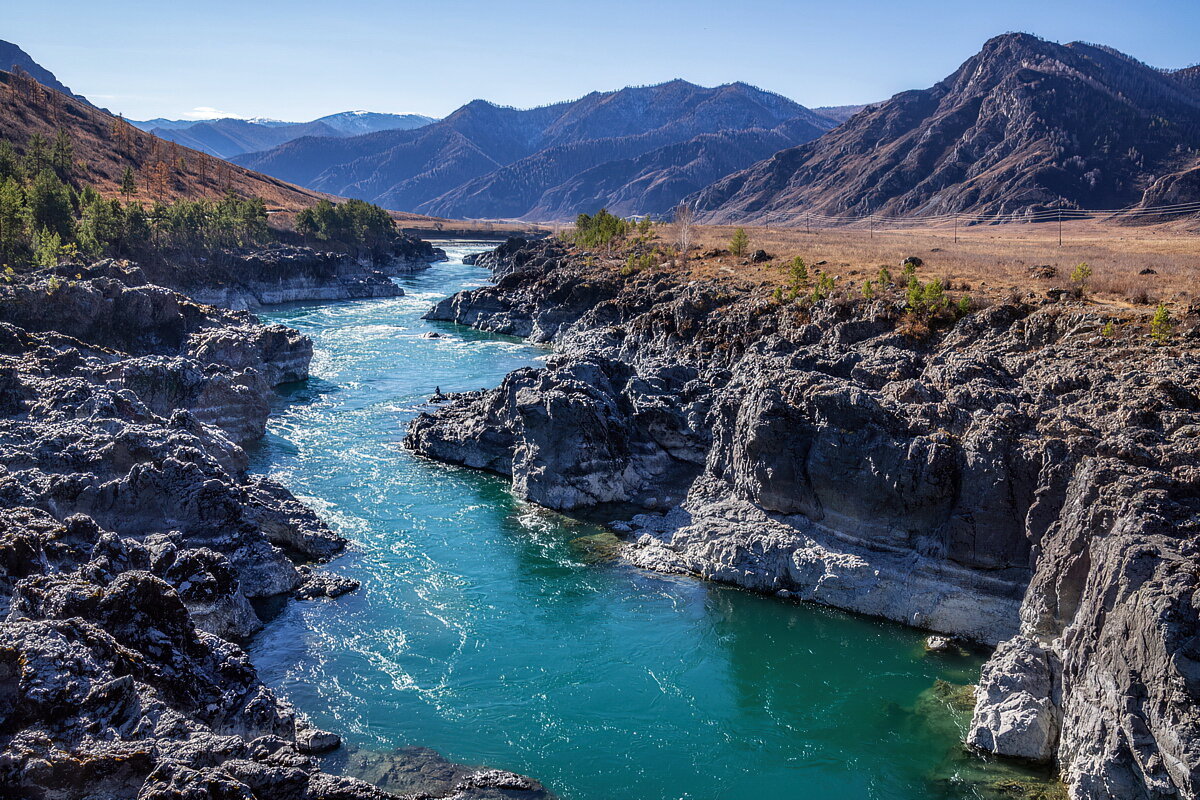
963, 306
635, 263
824, 287
740, 243
868, 290
1080, 277
914, 294
798, 273
933, 297
914, 325
885, 277
1109, 330
1161, 324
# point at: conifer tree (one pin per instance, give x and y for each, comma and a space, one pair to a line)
9, 166
46, 247
739, 243
50, 206
12, 221
128, 184
35, 154
63, 154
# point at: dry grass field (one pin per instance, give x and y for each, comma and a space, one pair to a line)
439, 228
987, 261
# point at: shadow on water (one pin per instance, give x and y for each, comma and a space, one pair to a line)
301, 392
468, 334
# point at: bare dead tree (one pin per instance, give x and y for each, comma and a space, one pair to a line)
685, 219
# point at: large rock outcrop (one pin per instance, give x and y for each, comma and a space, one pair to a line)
287, 274
1016, 477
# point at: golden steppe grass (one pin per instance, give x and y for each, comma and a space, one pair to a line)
987, 261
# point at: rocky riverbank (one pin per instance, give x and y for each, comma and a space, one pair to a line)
1022, 476
280, 273
132, 542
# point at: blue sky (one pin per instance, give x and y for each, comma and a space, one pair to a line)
301, 59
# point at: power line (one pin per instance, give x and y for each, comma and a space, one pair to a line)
1046, 215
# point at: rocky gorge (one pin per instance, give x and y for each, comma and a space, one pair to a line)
135, 543
281, 273
1020, 477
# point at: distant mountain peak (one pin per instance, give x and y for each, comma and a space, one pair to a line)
638, 149
1023, 125
233, 136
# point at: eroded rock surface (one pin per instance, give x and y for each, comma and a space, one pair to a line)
1017, 478
287, 274
132, 539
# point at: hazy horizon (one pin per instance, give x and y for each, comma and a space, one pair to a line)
293, 62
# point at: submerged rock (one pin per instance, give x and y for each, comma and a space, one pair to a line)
421, 772
940, 644
1015, 714
323, 584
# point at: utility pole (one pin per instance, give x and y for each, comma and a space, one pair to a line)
956, 228
1060, 227
808, 222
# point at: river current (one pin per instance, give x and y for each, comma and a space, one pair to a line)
505, 635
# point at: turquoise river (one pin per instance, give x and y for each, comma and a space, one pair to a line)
502, 634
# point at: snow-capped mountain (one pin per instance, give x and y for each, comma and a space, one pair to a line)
231, 136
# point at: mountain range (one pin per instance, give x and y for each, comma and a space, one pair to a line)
231, 136
1023, 125
636, 150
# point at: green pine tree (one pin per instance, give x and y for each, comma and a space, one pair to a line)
62, 156
1161, 324
47, 244
128, 184
50, 205
36, 154
12, 221
739, 243
10, 167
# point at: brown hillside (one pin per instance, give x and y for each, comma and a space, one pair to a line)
104, 145
1023, 126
